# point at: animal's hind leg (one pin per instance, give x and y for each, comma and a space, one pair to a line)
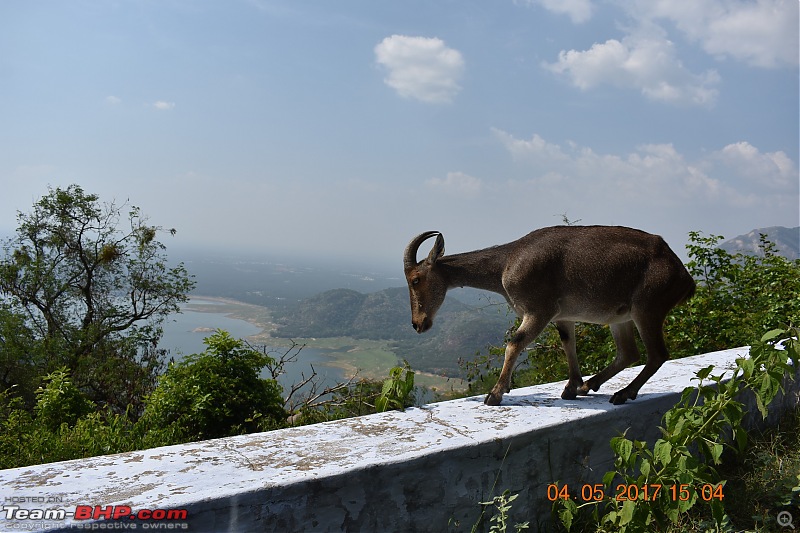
531, 327
652, 333
566, 330
627, 354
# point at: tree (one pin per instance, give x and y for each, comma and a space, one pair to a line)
17, 353
217, 393
90, 285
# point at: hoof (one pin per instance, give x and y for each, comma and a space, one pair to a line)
493, 399
569, 395
620, 397
617, 399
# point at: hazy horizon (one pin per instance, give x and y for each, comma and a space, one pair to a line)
343, 129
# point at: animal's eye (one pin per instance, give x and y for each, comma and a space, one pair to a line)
415, 281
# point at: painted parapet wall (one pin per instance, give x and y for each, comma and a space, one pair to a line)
424, 469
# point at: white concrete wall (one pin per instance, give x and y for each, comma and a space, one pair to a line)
424, 469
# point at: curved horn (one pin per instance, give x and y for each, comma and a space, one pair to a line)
410, 256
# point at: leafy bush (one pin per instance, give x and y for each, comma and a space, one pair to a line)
679, 469
60, 401
215, 394
63, 425
396, 392
739, 297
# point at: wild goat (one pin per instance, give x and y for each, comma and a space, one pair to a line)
563, 274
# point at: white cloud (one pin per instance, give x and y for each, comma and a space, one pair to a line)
537, 148
577, 10
420, 67
737, 175
113, 100
645, 62
161, 105
774, 170
761, 33
456, 183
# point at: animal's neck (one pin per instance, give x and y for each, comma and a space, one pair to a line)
482, 269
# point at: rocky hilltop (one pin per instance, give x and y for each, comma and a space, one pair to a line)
787, 241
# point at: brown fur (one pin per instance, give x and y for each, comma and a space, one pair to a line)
564, 274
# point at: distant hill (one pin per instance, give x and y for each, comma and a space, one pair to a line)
787, 241
276, 283
459, 330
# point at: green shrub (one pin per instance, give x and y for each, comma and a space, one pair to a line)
63, 425
678, 471
739, 297
396, 392
59, 401
215, 394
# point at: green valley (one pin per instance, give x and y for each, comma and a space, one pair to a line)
460, 330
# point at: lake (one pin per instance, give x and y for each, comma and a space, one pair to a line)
184, 334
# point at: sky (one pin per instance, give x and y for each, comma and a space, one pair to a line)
342, 129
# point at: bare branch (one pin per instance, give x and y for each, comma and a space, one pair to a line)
314, 399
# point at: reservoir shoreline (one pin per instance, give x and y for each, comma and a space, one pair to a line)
340, 354
363, 358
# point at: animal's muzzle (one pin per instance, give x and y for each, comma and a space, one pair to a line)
421, 326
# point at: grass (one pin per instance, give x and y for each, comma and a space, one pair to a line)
765, 480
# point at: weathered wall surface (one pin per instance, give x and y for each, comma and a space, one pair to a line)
424, 469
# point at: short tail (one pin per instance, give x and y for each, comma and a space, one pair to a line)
692, 288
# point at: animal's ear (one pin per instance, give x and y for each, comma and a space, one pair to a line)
437, 251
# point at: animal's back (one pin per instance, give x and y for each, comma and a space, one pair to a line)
612, 266
582, 250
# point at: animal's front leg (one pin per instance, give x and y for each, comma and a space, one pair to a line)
574, 387
527, 331
503, 384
